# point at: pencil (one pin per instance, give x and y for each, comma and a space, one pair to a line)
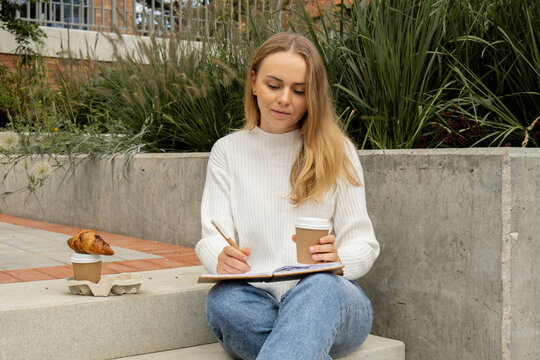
229, 240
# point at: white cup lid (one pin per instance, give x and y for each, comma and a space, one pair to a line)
85, 258
313, 223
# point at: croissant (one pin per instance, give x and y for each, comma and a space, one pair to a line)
88, 242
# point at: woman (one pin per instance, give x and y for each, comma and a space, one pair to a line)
291, 160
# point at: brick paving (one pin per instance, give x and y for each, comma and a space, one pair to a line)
28, 248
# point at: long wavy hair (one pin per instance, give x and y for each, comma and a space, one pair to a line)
322, 160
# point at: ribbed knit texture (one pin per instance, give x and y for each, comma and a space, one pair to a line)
247, 188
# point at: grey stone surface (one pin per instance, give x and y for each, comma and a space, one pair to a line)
450, 281
202, 352
524, 324
15, 262
24, 248
456, 278
375, 348
42, 320
437, 284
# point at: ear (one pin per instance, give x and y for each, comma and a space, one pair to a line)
253, 80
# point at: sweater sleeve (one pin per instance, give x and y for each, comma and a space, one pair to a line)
215, 205
355, 239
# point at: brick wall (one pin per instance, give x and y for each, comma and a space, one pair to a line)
10, 61
50, 66
56, 66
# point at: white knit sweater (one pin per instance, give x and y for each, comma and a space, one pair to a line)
247, 188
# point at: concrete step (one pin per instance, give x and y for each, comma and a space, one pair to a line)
43, 320
375, 348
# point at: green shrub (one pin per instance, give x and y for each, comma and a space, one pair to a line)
405, 74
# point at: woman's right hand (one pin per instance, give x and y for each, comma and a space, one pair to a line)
233, 261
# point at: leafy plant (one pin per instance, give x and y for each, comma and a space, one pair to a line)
385, 59
397, 67
506, 90
169, 92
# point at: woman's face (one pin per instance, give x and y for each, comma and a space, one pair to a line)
280, 87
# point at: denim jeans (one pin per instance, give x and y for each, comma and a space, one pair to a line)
324, 316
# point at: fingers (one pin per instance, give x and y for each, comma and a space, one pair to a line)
241, 255
326, 252
328, 239
294, 237
232, 266
233, 261
327, 245
246, 251
322, 248
325, 255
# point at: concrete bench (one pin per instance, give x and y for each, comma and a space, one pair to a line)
165, 320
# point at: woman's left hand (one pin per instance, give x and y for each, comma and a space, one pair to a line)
326, 251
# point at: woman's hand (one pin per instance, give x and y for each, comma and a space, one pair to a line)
325, 252
233, 261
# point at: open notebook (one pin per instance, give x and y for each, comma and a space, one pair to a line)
288, 272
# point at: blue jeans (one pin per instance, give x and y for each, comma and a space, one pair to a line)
323, 316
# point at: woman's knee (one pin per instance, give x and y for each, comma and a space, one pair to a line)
239, 301
222, 299
321, 289
345, 296
357, 320
322, 280
323, 284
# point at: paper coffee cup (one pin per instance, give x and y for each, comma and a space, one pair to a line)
86, 267
308, 232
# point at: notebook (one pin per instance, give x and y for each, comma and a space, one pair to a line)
287, 272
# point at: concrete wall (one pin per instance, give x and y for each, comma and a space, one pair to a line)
156, 198
457, 275
80, 44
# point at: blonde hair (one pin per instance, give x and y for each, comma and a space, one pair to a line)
322, 160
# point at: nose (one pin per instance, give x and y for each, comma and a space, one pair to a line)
285, 96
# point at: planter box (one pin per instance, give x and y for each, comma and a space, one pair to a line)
457, 275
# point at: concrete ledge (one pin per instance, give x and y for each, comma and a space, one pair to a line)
375, 348
87, 44
42, 320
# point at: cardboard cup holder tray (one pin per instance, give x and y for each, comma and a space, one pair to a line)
108, 284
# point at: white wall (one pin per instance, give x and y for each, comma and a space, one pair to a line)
80, 44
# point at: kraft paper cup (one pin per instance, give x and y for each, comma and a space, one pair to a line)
308, 232
86, 267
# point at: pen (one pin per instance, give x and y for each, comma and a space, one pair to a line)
219, 229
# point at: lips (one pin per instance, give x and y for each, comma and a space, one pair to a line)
279, 113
